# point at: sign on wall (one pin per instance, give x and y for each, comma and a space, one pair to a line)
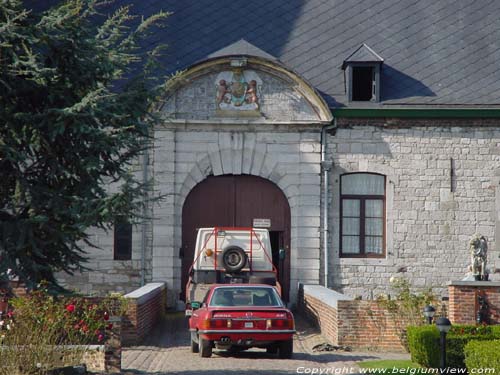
262, 223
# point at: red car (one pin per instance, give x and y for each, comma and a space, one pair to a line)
240, 316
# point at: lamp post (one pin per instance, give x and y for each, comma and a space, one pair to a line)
429, 312
443, 325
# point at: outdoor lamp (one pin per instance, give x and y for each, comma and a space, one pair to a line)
443, 325
429, 312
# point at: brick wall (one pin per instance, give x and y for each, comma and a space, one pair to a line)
367, 324
319, 313
145, 308
347, 322
463, 306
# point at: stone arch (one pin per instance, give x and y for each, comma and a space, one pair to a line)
265, 167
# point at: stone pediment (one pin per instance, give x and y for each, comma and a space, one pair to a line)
243, 87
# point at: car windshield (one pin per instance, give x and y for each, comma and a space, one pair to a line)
245, 296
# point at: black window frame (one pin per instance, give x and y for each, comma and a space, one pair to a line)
362, 218
122, 240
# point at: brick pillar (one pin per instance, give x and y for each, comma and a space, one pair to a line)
464, 301
113, 347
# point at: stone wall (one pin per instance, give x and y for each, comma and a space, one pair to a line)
146, 307
347, 322
91, 355
464, 304
430, 215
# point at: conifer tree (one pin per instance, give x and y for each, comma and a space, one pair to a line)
76, 91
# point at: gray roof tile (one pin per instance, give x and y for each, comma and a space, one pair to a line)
443, 52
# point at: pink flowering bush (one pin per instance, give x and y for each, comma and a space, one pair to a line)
39, 325
75, 320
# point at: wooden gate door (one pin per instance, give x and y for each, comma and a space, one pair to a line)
236, 201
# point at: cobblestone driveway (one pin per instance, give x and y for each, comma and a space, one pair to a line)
167, 352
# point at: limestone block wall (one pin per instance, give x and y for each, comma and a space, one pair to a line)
107, 275
430, 213
288, 155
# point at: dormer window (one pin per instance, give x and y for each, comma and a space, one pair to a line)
362, 72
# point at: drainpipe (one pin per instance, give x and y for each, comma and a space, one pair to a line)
326, 165
145, 162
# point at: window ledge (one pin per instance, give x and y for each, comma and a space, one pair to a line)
366, 262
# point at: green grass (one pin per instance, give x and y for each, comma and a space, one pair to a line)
390, 364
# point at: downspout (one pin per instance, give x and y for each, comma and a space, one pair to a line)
326, 165
145, 162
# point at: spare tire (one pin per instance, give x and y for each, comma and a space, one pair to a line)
234, 259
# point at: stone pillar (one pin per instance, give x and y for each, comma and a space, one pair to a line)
113, 347
464, 301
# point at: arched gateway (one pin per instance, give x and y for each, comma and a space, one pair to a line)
237, 201
240, 141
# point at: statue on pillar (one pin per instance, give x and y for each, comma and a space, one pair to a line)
479, 256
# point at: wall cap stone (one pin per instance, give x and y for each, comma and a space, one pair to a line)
236, 121
474, 283
327, 296
145, 293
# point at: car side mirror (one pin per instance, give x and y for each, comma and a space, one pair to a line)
191, 306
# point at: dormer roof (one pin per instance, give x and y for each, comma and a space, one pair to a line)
364, 54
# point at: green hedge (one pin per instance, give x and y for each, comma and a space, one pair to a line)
482, 354
423, 342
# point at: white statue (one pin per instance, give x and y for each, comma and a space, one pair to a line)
479, 256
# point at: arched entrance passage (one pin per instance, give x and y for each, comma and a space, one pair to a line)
236, 201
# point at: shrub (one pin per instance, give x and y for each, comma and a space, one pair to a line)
482, 354
406, 307
423, 343
32, 335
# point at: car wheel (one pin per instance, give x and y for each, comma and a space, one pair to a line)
285, 349
195, 348
273, 349
234, 259
205, 347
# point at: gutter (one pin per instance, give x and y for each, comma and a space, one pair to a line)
326, 166
145, 162
423, 113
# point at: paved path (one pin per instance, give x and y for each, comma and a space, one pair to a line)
167, 352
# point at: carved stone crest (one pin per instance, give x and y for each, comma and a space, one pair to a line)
238, 93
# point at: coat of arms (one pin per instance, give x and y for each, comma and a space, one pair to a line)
238, 93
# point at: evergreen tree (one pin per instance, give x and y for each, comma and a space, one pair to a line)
76, 91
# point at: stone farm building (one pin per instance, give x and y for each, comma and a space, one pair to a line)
365, 133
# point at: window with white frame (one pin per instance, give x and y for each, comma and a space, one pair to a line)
362, 215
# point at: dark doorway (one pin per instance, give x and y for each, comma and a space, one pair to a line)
237, 201
279, 253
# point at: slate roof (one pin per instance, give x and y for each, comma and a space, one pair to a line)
436, 52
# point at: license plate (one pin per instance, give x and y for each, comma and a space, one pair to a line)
248, 324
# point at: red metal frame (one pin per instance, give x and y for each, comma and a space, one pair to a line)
215, 232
